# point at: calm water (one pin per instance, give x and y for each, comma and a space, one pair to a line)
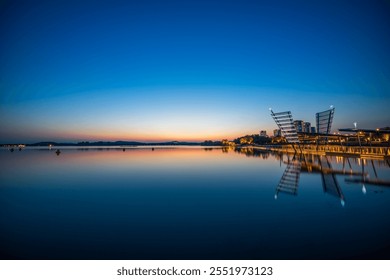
189, 203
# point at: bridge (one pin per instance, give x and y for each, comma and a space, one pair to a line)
322, 142
331, 150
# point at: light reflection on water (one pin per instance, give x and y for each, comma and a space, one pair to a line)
190, 203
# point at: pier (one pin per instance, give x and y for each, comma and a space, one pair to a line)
324, 143
333, 150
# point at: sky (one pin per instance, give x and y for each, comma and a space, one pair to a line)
188, 70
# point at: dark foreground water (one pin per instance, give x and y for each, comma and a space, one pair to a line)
189, 203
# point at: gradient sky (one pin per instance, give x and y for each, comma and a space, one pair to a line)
188, 70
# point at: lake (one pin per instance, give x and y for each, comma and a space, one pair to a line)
190, 203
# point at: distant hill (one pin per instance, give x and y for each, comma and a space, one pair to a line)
125, 143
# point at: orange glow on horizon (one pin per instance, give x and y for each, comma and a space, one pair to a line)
148, 138
155, 134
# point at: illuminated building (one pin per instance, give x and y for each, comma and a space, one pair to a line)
307, 127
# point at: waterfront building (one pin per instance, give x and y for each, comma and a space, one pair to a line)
307, 127
290, 128
263, 133
277, 133
299, 125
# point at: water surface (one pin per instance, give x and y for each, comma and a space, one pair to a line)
189, 203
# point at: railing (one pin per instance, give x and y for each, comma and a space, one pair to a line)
331, 149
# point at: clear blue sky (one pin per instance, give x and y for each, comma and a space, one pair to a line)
188, 70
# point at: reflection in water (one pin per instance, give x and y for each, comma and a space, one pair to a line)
329, 181
188, 203
313, 164
290, 178
250, 152
365, 178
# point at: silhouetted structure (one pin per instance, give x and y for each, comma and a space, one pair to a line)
300, 132
324, 121
286, 125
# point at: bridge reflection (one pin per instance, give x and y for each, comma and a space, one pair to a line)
322, 165
290, 178
329, 181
